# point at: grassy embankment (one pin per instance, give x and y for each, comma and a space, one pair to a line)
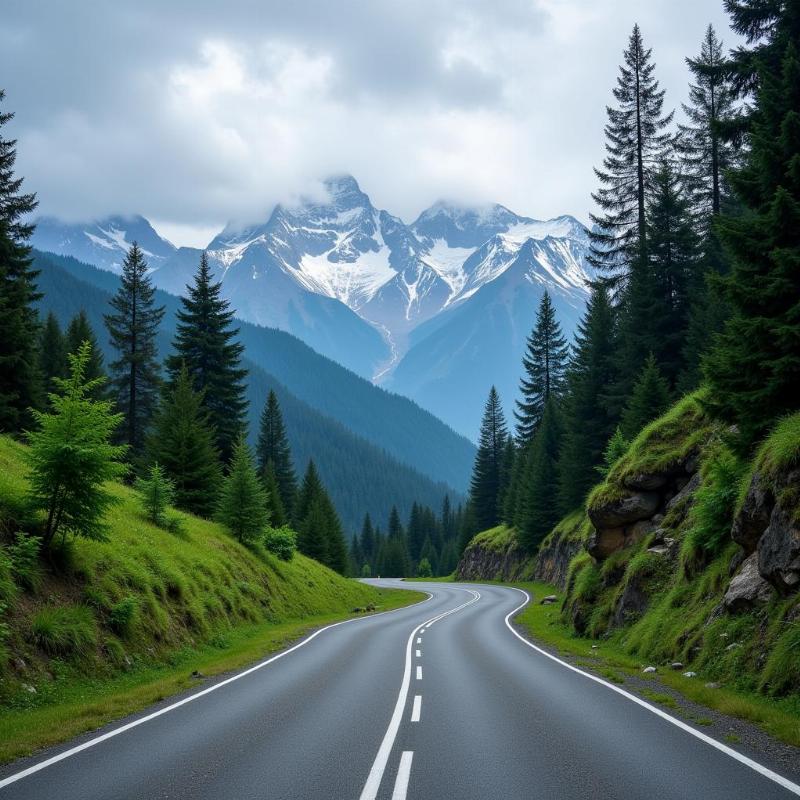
110, 627
751, 655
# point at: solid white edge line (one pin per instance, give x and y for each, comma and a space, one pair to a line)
416, 711
748, 762
182, 702
403, 775
373, 783
419, 672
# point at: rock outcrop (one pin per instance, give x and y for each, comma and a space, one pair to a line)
747, 588
767, 527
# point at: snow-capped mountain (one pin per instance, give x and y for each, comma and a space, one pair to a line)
103, 243
376, 294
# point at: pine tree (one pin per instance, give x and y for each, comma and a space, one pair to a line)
157, 492
544, 363
395, 527
71, 457
487, 472
310, 488
673, 275
649, 399
133, 327
416, 532
368, 541
753, 367
277, 512
313, 539
52, 354
706, 154
336, 546
19, 376
588, 423
273, 448
540, 508
79, 331
182, 442
636, 139
207, 344
242, 507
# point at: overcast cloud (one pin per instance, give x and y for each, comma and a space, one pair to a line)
194, 112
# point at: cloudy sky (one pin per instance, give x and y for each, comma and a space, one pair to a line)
195, 112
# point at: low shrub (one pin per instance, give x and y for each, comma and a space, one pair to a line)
281, 542
65, 630
122, 616
25, 562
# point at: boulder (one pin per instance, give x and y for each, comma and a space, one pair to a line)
687, 490
747, 587
645, 481
625, 510
605, 541
752, 520
632, 603
549, 600
779, 551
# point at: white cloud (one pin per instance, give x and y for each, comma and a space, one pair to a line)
193, 114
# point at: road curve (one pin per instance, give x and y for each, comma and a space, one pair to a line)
435, 701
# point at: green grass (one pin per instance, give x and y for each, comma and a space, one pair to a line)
71, 705
497, 539
117, 624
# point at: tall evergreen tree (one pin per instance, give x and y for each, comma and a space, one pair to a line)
53, 351
207, 343
706, 154
539, 496
277, 513
368, 541
242, 505
395, 527
79, 331
182, 442
310, 488
544, 363
313, 538
754, 366
487, 473
636, 139
132, 326
19, 376
649, 399
588, 423
273, 448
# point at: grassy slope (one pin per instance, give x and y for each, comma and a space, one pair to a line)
199, 600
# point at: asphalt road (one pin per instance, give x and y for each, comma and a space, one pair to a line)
437, 701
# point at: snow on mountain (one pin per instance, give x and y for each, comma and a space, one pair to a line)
357, 283
103, 243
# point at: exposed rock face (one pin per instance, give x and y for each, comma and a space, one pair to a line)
747, 587
552, 561
481, 563
632, 603
753, 518
632, 508
626, 520
767, 527
779, 551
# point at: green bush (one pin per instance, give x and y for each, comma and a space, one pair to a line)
712, 513
65, 630
8, 589
25, 562
424, 569
123, 615
281, 542
157, 493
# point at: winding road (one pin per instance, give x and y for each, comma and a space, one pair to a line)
439, 700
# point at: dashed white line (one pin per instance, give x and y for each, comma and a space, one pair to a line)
419, 672
419, 653
754, 765
416, 711
373, 784
403, 774
419, 640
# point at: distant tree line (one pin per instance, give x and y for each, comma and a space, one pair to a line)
696, 244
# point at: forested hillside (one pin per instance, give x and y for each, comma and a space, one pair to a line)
389, 421
653, 473
361, 476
